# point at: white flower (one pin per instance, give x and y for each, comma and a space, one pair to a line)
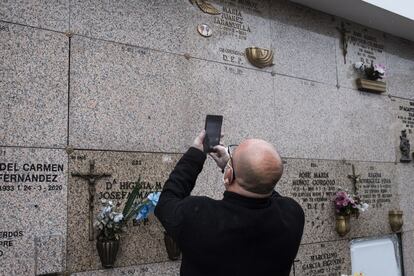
379, 68
362, 207
118, 217
359, 66
106, 209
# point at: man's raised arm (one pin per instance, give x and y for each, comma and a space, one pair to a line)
179, 186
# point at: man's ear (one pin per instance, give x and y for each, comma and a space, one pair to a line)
228, 176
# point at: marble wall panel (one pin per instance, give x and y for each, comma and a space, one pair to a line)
314, 120
313, 183
52, 15
34, 200
363, 44
408, 249
128, 98
34, 87
172, 26
304, 41
167, 269
141, 243
323, 259
400, 67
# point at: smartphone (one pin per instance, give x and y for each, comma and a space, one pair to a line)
213, 132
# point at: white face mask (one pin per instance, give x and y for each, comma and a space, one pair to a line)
225, 180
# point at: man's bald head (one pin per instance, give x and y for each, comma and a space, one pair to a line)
257, 165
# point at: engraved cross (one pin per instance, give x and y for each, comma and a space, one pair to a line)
355, 179
91, 177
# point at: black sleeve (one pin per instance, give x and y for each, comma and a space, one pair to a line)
179, 186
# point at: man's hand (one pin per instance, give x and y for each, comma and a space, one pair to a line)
198, 141
221, 156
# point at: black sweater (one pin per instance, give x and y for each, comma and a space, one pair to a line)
233, 236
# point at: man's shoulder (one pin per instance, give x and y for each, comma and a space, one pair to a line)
288, 204
197, 202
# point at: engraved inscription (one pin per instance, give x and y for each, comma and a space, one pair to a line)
366, 46
376, 188
323, 261
120, 189
314, 188
8, 239
406, 114
26, 177
231, 23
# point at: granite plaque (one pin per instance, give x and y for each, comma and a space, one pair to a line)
400, 63
314, 120
52, 15
165, 269
129, 98
33, 199
405, 172
34, 87
363, 44
323, 259
304, 42
313, 183
403, 113
141, 243
407, 249
172, 26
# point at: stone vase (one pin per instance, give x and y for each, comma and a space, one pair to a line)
342, 225
395, 220
107, 251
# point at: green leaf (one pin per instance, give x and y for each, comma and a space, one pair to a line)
131, 198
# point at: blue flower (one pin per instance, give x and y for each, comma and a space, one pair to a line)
154, 197
143, 213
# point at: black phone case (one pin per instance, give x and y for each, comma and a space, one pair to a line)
212, 138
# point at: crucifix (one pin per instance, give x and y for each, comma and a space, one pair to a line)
91, 177
344, 39
355, 179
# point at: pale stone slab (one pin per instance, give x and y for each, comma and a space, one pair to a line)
408, 249
33, 196
34, 87
172, 26
50, 254
323, 259
379, 187
128, 98
140, 244
364, 44
304, 42
406, 176
400, 63
313, 184
52, 15
165, 269
403, 119
313, 120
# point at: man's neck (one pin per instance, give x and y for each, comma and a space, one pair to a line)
236, 188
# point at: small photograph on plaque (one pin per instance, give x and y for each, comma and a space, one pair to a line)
204, 30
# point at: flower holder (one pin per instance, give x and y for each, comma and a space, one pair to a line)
342, 225
371, 85
107, 251
395, 219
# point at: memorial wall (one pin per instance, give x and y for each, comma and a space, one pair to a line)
96, 96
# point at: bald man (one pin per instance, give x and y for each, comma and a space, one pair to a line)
252, 231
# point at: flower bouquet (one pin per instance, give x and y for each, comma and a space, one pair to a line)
110, 222
345, 206
372, 73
